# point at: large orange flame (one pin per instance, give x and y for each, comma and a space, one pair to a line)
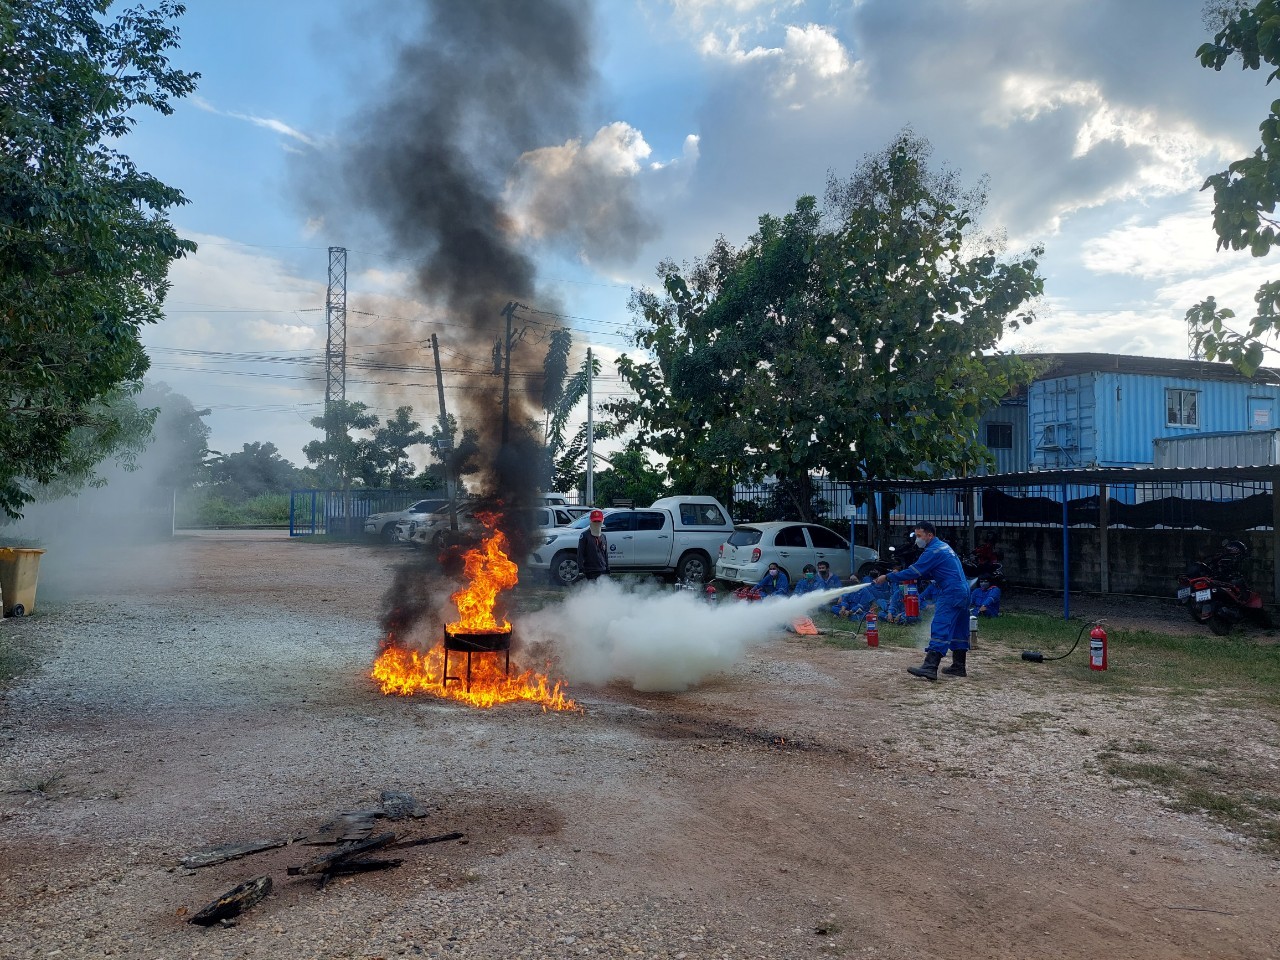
489, 571
404, 672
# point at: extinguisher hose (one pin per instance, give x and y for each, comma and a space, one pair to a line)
1035, 656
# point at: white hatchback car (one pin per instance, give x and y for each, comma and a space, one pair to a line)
746, 555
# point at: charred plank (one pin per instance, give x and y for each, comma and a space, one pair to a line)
234, 902
229, 851
346, 827
423, 841
326, 863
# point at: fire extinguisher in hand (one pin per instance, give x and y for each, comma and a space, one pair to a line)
1098, 648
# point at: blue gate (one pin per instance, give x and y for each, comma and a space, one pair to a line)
341, 513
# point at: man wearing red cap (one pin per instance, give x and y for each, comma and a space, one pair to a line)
593, 548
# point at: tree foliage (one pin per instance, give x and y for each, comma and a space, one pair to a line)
630, 476
379, 458
85, 243
1245, 194
254, 470
853, 341
341, 459
392, 441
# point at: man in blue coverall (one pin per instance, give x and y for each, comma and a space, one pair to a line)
950, 627
985, 599
774, 583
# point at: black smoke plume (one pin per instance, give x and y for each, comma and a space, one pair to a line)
475, 85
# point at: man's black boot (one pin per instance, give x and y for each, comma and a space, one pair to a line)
929, 669
957, 668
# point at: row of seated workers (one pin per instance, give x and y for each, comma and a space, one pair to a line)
984, 599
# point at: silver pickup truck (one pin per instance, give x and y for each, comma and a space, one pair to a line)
676, 536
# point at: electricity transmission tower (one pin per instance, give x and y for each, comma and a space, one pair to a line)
1193, 342
335, 348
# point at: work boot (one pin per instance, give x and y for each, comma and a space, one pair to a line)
957, 669
929, 669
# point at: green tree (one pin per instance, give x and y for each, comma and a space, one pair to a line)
455, 456
256, 469
630, 476
855, 343
343, 460
178, 452
85, 242
392, 441
1245, 194
114, 430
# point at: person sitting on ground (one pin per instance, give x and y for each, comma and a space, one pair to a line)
894, 611
928, 594
809, 582
826, 579
854, 606
774, 583
985, 599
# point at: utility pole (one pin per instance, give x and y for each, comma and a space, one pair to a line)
508, 311
446, 442
591, 435
335, 347
335, 359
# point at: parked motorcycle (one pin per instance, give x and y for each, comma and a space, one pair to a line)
1216, 592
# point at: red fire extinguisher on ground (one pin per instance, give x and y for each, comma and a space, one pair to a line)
910, 601
1098, 648
873, 631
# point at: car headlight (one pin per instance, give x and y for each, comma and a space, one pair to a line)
551, 539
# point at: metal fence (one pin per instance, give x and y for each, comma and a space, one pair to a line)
342, 513
1234, 504
1113, 530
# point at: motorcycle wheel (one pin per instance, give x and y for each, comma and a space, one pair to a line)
1202, 612
1221, 624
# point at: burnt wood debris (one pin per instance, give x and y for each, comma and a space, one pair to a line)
349, 832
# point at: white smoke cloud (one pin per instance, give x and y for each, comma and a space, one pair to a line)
585, 195
656, 641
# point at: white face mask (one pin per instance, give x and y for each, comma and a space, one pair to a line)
920, 542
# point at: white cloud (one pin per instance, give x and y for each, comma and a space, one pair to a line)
811, 61
1151, 331
818, 48
267, 123
1168, 151
1174, 246
1179, 253
688, 157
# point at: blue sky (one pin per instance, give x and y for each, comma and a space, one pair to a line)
1092, 119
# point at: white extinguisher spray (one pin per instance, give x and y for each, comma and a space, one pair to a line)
1098, 648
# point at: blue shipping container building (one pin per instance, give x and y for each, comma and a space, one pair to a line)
1105, 410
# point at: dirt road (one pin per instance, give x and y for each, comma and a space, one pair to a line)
810, 802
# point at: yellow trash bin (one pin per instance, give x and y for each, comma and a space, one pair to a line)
19, 570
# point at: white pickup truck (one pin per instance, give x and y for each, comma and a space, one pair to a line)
676, 536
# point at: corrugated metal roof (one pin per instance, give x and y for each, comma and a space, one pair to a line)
1069, 364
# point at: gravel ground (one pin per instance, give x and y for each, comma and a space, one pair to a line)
809, 802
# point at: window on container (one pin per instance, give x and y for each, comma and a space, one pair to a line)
1183, 407
999, 436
